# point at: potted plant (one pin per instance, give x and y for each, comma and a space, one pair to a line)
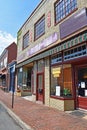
66, 92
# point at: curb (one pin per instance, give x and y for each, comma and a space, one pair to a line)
23, 125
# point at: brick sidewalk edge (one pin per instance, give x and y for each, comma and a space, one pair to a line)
16, 118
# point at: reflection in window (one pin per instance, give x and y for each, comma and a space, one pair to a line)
61, 80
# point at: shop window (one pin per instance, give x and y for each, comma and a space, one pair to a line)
24, 79
27, 73
39, 28
56, 80
67, 80
61, 80
19, 77
75, 52
56, 59
26, 40
64, 8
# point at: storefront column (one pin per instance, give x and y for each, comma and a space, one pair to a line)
47, 82
34, 84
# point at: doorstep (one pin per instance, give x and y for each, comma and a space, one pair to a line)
79, 113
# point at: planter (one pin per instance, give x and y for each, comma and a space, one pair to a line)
25, 93
18, 93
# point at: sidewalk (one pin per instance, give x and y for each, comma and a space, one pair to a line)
40, 117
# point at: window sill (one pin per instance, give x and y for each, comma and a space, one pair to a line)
62, 98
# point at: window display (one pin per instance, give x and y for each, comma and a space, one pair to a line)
61, 80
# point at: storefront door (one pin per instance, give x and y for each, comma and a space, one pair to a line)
81, 87
40, 89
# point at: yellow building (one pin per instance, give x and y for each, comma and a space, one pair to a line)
52, 54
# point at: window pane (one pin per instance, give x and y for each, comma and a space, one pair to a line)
63, 8
26, 40
40, 27
67, 78
56, 79
75, 52
19, 77
61, 80
56, 59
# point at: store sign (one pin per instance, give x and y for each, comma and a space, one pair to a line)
46, 42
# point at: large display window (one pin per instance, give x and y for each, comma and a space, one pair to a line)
20, 72
61, 80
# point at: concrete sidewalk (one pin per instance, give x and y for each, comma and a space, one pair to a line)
40, 117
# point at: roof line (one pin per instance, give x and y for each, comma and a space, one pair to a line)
31, 15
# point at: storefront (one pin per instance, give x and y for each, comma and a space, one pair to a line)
24, 80
58, 75
69, 75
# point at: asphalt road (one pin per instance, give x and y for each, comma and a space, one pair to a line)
6, 121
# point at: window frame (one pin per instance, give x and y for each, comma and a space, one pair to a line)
24, 37
63, 11
42, 19
75, 52
61, 97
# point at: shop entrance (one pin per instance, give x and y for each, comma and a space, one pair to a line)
81, 87
40, 87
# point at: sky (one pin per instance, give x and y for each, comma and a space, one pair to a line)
13, 14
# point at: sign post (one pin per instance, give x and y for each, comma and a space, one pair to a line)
13, 84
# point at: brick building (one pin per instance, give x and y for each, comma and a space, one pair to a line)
52, 54
7, 57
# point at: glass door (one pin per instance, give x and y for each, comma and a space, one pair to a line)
81, 87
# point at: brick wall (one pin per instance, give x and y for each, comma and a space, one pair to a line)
68, 105
56, 103
47, 82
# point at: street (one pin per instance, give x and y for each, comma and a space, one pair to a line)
6, 122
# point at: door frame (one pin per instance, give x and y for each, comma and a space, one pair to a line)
76, 83
76, 91
42, 73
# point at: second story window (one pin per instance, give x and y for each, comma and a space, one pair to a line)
63, 8
39, 27
26, 40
